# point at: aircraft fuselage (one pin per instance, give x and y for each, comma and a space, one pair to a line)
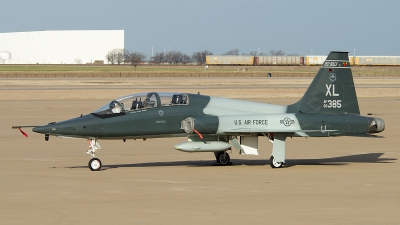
166, 122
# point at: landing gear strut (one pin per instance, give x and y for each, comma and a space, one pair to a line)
223, 158
94, 163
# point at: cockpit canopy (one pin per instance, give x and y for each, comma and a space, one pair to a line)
142, 101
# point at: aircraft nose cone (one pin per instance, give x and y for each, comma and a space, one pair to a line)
42, 129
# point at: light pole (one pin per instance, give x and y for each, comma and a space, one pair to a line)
152, 51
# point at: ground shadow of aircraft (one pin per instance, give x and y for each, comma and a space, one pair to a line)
342, 160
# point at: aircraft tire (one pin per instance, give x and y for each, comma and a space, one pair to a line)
274, 164
223, 158
94, 164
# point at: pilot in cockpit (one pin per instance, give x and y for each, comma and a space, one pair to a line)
178, 99
115, 108
137, 104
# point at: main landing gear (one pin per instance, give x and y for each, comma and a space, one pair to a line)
274, 164
223, 158
94, 163
277, 159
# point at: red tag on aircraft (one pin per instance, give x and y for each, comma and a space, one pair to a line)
25, 134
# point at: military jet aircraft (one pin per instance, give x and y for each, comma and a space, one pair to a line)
328, 108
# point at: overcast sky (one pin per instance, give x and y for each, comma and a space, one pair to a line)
371, 27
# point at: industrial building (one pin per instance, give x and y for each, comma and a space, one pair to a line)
59, 47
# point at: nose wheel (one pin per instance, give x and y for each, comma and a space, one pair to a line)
94, 163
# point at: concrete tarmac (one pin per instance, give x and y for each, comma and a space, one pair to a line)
341, 180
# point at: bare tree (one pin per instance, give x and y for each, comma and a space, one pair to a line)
200, 57
253, 53
110, 57
186, 59
126, 56
277, 52
120, 56
135, 58
232, 52
158, 58
196, 57
78, 60
116, 56
174, 57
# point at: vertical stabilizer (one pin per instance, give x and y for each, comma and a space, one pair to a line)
332, 90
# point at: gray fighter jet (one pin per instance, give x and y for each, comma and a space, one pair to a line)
328, 108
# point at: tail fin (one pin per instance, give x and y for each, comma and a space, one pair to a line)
332, 90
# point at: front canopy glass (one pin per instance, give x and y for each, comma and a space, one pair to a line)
142, 101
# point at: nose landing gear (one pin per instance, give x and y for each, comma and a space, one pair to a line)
94, 163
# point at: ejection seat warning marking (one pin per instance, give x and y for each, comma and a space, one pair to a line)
251, 122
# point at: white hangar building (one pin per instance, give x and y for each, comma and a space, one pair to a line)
58, 47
